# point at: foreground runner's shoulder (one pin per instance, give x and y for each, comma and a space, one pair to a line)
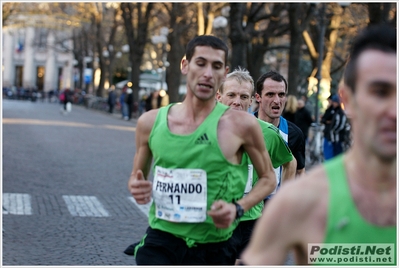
147, 118
306, 189
238, 117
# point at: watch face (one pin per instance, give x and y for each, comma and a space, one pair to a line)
240, 211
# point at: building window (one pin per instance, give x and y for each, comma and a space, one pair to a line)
43, 33
40, 78
19, 71
60, 79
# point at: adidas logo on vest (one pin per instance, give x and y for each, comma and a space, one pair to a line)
203, 139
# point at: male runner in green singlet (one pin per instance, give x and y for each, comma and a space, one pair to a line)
352, 197
200, 167
237, 92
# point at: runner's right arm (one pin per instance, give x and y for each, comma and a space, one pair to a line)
138, 185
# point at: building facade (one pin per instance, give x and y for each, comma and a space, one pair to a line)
37, 58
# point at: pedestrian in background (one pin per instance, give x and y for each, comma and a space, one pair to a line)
111, 100
122, 101
290, 108
142, 98
303, 118
338, 126
326, 121
148, 102
310, 106
67, 101
129, 102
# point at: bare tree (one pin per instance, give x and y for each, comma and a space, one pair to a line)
382, 13
341, 24
238, 37
206, 15
136, 17
185, 21
252, 27
300, 15
105, 24
182, 31
80, 51
9, 9
181, 20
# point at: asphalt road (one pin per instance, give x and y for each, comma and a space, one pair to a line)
64, 184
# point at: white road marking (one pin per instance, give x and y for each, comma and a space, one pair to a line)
17, 204
85, 206
79, 206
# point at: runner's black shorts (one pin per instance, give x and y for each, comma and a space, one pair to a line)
242, 235
162, 248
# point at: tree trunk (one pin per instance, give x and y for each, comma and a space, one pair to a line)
201, 19
299, 16
101, 63
182, 31
379, 13
260, 39
256, 59
237, 36
330, 47
136, 37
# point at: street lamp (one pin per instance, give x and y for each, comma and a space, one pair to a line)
220, 23
105, 53
88, 72
162, 39
126, 49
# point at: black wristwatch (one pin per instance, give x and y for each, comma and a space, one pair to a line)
239, 210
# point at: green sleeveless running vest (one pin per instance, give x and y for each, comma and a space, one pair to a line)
198, 150
345, 224
279, 153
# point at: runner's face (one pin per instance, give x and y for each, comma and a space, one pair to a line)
205, 72
236, 95
273, 98
372, 108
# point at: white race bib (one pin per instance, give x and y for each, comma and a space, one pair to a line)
180, 195
277, 171
248, 187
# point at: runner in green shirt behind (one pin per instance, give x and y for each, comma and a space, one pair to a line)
237, 92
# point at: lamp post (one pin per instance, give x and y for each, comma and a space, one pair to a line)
162, 39
320, 60
126, 49
220, 23
88, 72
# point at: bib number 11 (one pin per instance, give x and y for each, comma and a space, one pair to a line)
175, 197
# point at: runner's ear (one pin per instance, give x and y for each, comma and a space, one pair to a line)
346, 96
